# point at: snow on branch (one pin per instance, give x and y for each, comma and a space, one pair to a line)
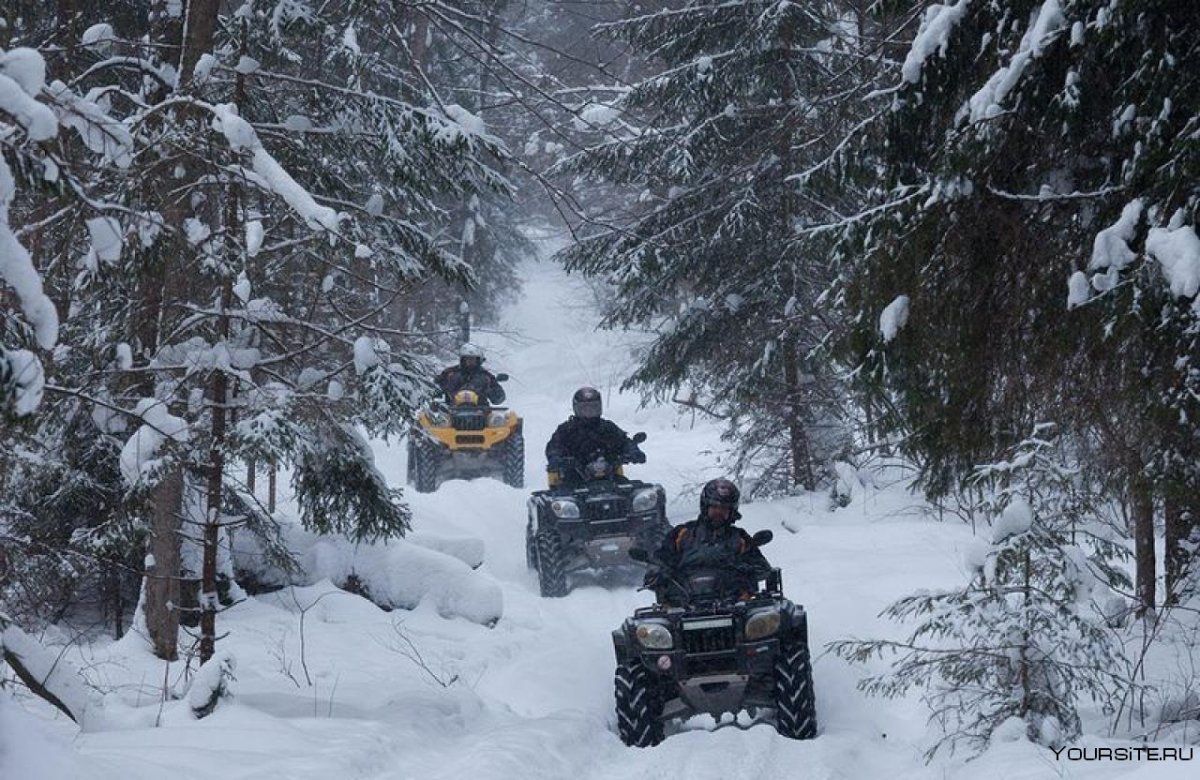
139, 456
894, 317
1178, 252
241, 137
22, 76
934, 36
985, 104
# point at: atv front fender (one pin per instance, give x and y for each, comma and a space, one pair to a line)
621, 646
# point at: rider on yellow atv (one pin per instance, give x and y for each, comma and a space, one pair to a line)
470, 374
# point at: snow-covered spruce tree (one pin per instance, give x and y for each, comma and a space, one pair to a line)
1025, 638
56, 172
1032, 251
239, 311
719, 148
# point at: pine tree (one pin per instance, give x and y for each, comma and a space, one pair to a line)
716, 150
1026, 637
236, 298
1036, 227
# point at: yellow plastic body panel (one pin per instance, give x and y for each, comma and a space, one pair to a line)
554, 477
453, 439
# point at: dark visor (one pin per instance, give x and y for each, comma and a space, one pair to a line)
587, 408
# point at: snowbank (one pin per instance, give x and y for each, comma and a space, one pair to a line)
54, 674
468, 550
28, 749
211, 683
399, 574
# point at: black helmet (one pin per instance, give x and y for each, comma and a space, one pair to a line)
586, 402
719, 492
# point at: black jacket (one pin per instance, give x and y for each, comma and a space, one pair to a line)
456, 378
699, 545
582, 437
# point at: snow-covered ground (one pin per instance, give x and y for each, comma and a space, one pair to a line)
330, 686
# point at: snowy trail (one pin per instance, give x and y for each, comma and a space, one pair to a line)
532, 697
552, 666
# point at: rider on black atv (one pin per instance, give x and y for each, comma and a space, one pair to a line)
585, 435
710, 543
469, 374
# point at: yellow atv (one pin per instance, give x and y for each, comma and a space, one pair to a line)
464, 440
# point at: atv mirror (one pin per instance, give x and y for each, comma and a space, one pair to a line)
761, 538
501, 377
639, 437
638, 554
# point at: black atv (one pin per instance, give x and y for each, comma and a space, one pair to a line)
702, 650
589, 519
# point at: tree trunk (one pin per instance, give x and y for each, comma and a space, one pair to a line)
1142, 504
798, 444
419, 46
219, 409
198, 31
166, 32
161, 603
219, 399
160, 606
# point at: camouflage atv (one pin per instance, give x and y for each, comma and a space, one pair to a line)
592, 523
466, 439
703, 650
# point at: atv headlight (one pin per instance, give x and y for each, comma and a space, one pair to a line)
762, 624
568, 510
645, 500
654, 636
497, 419
437, 419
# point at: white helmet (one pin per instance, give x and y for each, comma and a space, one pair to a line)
469, 353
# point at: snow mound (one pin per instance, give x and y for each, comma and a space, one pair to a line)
468, 550
56, 675
28, 748
399, 574
211, 683
470, 123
